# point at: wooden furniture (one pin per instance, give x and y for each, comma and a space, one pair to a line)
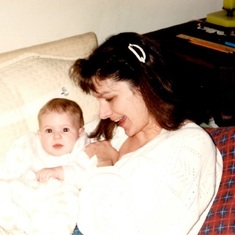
203, 58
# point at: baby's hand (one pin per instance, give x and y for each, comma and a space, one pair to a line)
46, 173
106, 154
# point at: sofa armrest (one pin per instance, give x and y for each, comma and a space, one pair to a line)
75, 46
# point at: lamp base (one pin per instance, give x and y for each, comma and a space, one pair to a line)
221, 18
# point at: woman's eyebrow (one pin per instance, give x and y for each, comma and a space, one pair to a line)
101, 94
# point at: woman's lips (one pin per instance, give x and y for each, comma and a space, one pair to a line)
121, 121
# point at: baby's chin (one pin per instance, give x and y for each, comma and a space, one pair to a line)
59, 152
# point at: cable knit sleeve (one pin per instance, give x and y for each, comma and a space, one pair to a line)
165, 187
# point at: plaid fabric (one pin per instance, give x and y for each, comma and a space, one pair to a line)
221, 217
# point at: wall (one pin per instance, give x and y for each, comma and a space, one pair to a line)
29, 22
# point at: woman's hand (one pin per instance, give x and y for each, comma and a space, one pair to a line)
106, 154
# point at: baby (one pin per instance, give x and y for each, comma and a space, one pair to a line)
60, 127
44, 171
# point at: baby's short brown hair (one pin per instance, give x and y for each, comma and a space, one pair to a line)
61, 105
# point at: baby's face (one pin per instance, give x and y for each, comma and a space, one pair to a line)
58, 133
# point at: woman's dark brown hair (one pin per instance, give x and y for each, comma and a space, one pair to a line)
114, 60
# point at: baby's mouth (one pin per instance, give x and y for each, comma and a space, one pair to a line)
57, 146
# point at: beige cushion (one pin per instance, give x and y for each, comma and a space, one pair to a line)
76, 46
26, 83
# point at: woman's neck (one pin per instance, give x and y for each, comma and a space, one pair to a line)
138, 140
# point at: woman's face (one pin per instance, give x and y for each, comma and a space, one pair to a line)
122, 104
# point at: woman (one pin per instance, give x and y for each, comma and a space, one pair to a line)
161, 174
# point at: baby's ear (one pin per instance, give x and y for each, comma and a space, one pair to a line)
81, 130
39, 133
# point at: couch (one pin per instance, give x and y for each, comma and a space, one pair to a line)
31, 76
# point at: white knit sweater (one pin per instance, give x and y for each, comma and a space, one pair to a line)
164, 188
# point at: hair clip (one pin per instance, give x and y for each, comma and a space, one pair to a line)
132, 47
64, 91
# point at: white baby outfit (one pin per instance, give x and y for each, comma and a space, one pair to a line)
37, 208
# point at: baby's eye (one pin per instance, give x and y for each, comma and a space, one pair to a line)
48, 130
66, 129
